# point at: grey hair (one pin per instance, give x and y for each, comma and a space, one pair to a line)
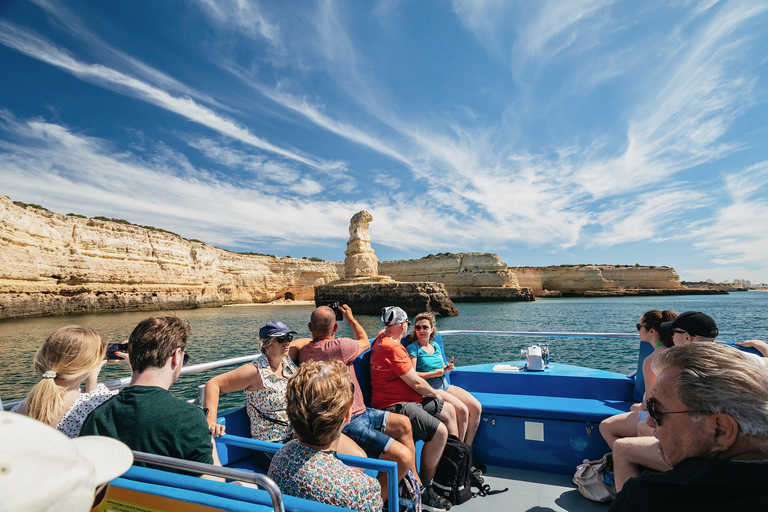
719, 379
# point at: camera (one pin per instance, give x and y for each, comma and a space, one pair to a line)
336, 307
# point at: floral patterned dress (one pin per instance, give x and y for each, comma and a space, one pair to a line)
73, 419
306, 473
270, 402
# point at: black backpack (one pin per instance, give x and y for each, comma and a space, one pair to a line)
453, 476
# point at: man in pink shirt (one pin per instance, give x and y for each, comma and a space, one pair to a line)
372, 429
397, 388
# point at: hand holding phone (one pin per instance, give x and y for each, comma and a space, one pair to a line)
114, 348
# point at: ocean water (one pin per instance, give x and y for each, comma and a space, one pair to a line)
233, 331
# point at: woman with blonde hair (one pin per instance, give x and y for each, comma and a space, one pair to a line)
68, 357
428, 361
319, 398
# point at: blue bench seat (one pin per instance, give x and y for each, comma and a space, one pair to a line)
551, 407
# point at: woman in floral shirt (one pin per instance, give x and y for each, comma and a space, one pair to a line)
319, 400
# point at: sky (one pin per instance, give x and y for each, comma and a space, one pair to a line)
548, 132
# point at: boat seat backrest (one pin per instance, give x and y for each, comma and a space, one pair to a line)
644, 351
238, 424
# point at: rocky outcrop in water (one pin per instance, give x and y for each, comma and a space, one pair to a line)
468, 277
370, 298
52, 264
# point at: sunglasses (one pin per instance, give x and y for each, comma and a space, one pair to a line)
186, 359
640, 326
284, 339
657, 416
422, 327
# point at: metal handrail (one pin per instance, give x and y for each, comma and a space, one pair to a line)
193, 368
613, 335
207, 469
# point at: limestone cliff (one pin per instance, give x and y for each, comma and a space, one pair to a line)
468, 277
53, 264
586, 280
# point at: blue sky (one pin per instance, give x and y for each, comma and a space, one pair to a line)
547, 132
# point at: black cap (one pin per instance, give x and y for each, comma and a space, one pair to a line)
694, 323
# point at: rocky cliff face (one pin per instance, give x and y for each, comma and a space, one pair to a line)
466, 276
596, 279
54, 264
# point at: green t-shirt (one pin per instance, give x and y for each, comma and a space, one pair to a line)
150, 419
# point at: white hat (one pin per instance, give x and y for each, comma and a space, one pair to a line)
41, 469
393, 315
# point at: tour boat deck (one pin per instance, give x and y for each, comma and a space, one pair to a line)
530, 490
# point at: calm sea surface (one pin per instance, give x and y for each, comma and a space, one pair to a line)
233, 331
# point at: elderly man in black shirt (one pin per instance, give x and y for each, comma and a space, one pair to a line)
709, 408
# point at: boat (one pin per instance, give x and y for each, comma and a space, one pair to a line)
540, 420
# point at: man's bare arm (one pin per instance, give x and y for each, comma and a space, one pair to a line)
357, 330
418, 384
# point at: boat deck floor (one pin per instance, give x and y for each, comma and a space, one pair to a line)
530, 490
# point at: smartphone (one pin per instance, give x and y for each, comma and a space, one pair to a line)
111, 349
336, 307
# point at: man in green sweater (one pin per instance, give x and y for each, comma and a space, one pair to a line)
145, 415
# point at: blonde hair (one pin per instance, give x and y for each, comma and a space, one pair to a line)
424, 316
319, 395
68, 353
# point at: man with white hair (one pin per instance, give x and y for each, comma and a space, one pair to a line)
709, 409
396, 387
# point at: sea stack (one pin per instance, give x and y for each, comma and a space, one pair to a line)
367, 292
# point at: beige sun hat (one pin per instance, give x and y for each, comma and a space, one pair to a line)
41, 469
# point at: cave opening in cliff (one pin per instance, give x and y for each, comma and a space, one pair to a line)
289, 296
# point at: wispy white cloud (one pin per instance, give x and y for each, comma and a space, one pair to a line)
736, 233
35, 47
245, 16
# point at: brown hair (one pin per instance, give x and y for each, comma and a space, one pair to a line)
653, 320
318, 398
69, 352
424, 316
154, 340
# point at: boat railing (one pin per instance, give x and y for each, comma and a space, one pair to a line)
613, 335
218, 471
193, 368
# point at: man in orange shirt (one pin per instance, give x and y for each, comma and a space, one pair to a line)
397, 388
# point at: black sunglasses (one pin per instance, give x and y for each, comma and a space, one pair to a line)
284, 339
640, 326
422, 327
186, 358
657, 416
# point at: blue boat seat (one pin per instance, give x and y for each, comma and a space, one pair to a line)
550, 407
145, 487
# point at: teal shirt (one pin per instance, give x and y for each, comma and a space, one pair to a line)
426, 363
151, 419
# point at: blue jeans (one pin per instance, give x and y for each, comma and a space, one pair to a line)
367, 430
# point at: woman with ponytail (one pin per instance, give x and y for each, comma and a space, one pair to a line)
68, 357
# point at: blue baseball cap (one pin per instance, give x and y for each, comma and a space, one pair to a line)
274, 329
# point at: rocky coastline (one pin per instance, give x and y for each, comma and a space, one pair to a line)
54, 264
